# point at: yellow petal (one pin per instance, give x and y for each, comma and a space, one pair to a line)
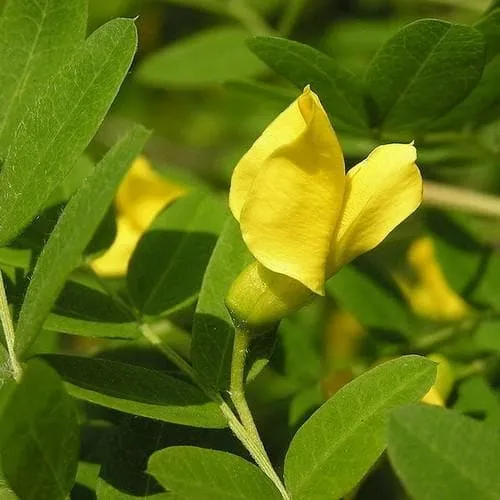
114, 262
445, 378
424, 286
380, 193
143, 193
287, 193
433, 397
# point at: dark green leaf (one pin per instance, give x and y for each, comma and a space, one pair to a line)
123, 473
337, 446
264, 92
36, 37
201, 474
425, 69
340, 91
441, 455
213, 329
489, 26
74, 230
477, 397
39, 436
167, 267
59, 127
136, 390
206, 58
374, 305
486, 93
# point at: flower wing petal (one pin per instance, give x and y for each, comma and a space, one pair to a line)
381, 192
290, 212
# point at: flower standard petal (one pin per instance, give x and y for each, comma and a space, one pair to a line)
288, 124
290, 212
380, 193
143, 193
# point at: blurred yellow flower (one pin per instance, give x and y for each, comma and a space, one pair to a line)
302, 217
141, 196
445, 378
424, 286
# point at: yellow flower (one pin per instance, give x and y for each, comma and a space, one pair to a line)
301, 216
141, 196
424, 286
445, 378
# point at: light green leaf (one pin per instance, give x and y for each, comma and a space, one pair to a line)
341, 92
441, 455
136, 390
5, 492
425, 69
57, 129
337, 446
74, 230
36, 37
167, 267
202, 474
206, 58
39, 436
213, 329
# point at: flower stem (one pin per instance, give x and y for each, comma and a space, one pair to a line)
466, 200
237, 391
250, 439
291, 13
8, 329
248, 17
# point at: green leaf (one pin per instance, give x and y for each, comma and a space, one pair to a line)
36, 37
489, 26
39, 436
201, 474
206, 58
279, 96
441, 455
374, 305
97, 329
477, 397
337, 446
167, 267
425, 69
123, 473
61, 124
486, 93
74, 230
136, 390
216, 6
341, 92
487, 335
213, 329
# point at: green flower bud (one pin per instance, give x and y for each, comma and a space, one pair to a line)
260, 298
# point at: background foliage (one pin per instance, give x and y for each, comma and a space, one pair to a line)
103, 409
